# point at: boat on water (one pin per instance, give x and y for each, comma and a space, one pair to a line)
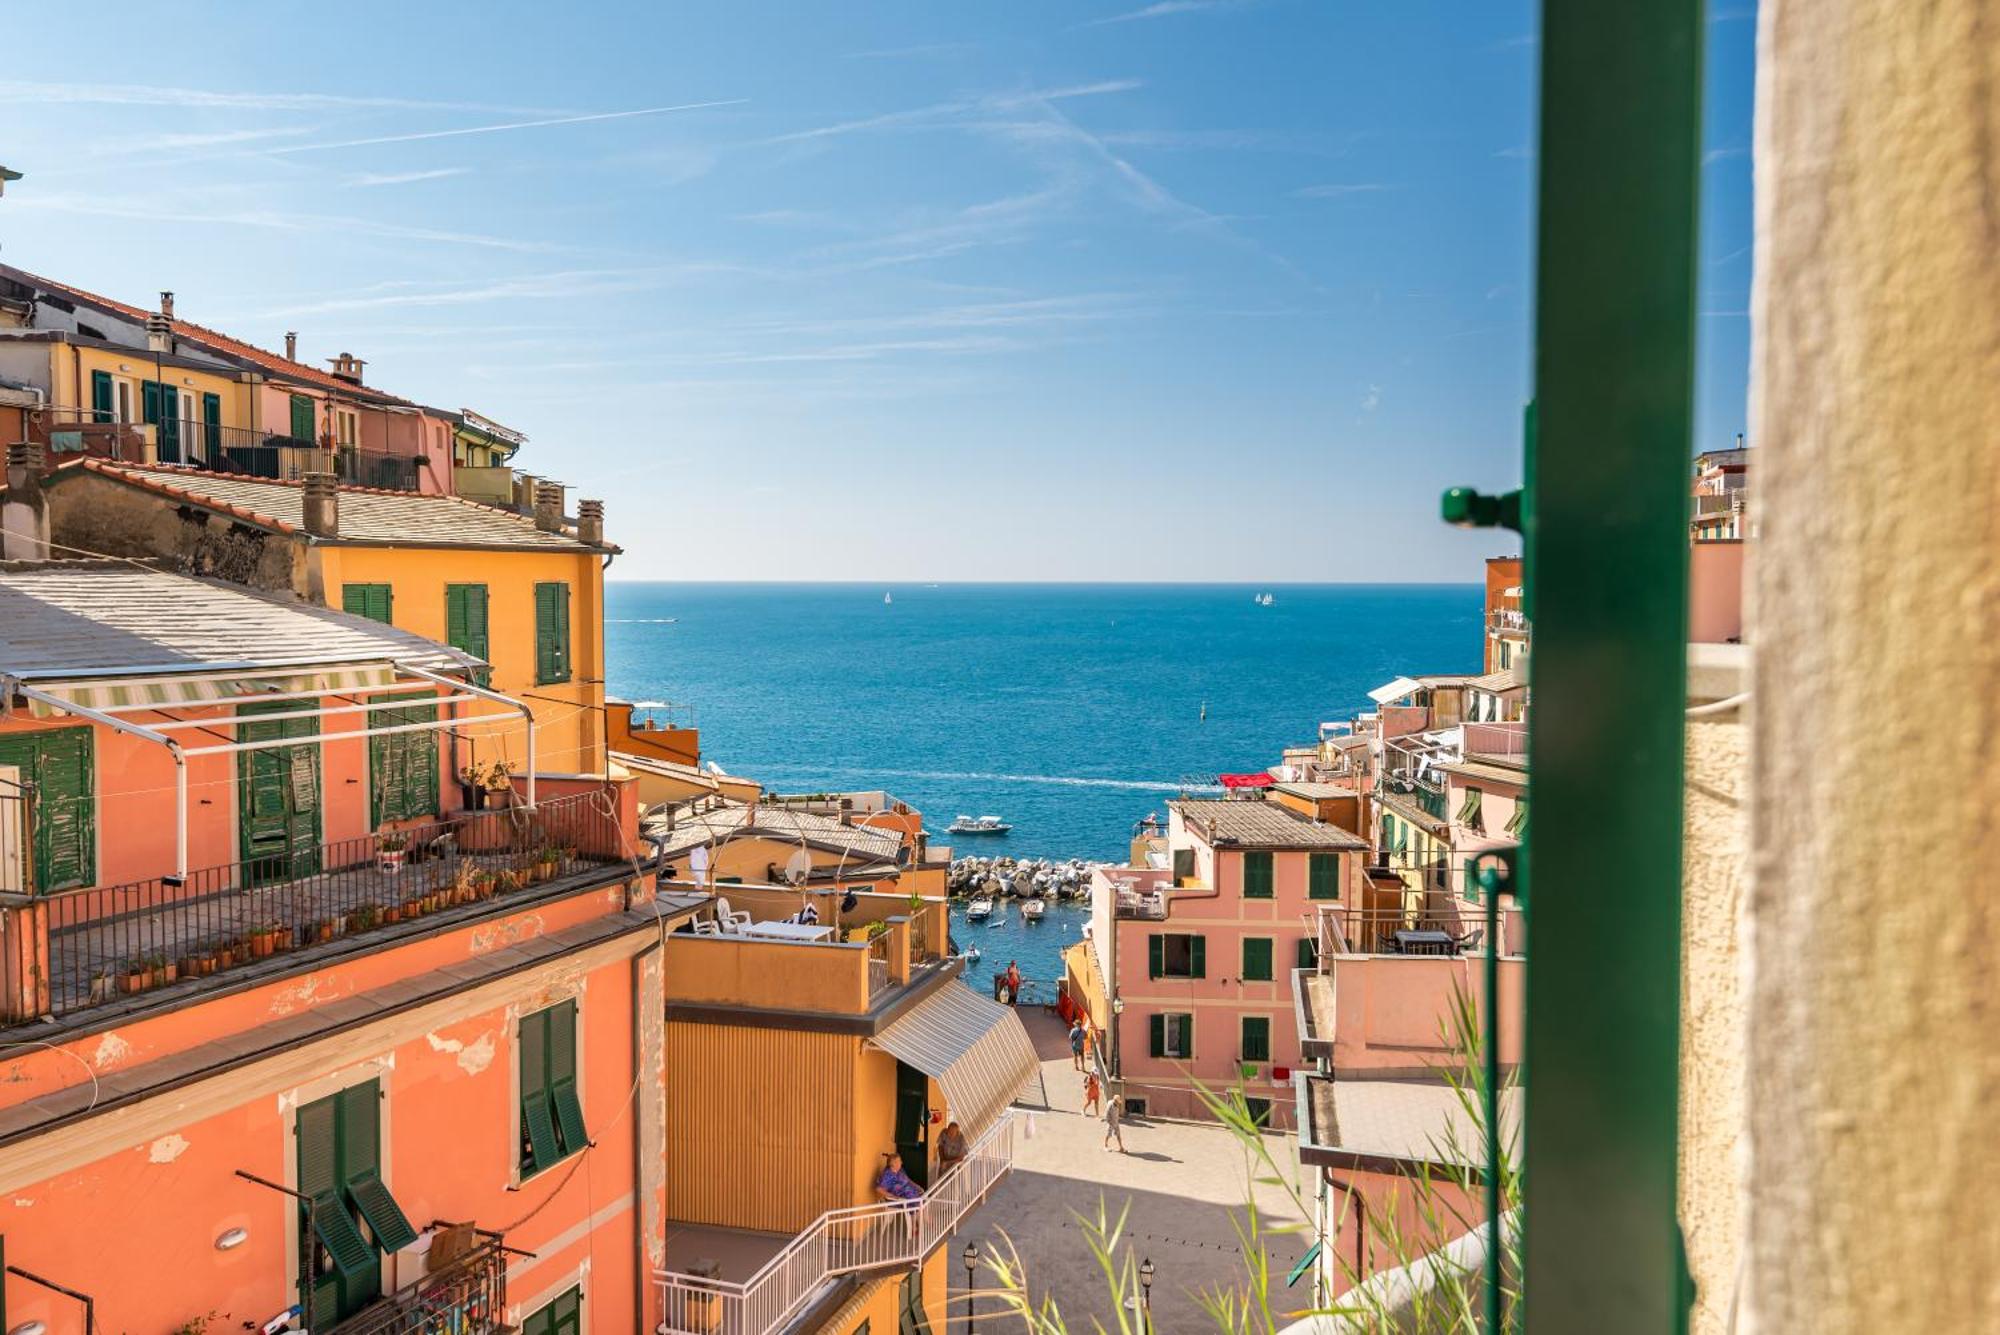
888, 598
978, 825
1033, 909
970, 955
1263, 600
981, 907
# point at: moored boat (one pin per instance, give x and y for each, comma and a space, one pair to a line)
978, 825
1032, 909
979, 908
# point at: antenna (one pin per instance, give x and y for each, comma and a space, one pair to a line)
798, 867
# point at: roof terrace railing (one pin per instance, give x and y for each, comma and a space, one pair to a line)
855, 1240
109, 943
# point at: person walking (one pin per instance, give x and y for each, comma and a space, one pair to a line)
1013, 983
1076, 1044
1114, 1114
1092, 1092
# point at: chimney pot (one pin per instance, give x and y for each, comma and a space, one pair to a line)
167, 304
590, 522
24, 512
322, 505
291, 345
549, 507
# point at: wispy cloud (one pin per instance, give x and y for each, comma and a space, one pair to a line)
1522, 151
1341, 190
149, 144
163, 209
1372, 399
572, 283
956, 115
368, 180
141, 95
503, 127
1160, 10
1715, 155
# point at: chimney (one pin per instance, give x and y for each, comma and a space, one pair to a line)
24, 512
167, 305
291, 345
549, 507
524, 491
322, 505
590, 522
347, 367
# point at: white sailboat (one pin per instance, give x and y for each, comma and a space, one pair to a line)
888, 598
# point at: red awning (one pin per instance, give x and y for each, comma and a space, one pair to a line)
1245, 780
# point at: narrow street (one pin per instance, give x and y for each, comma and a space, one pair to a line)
1185, 1184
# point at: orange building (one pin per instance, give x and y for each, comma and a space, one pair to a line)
800, 1056
332, 1049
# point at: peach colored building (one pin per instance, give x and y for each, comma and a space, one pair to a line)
1198, 954
297, 1039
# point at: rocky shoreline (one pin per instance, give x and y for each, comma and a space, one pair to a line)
1021, 878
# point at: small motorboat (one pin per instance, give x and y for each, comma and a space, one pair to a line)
970, 955
978, 825
981, 907
1033, 909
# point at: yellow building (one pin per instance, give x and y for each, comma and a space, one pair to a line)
800, 1056
524, 594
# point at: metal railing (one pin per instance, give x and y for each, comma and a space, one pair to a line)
1506, 619
878, 963
467, 1296
1352, 931
112, 942
370, 468
840, 1242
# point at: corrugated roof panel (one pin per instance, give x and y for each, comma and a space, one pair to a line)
976, 1049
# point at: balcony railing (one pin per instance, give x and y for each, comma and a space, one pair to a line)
211, 447
467, 1296
112, 942
1448, 929
856, 1240
1507, 619
1427, 793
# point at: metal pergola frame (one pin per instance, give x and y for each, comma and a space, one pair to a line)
408, 675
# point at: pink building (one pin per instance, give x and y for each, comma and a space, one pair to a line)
1200, 955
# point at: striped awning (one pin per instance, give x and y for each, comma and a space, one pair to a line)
976, 1049
1398, 689
198, 688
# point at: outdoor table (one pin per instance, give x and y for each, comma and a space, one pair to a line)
1412, 941
789, 931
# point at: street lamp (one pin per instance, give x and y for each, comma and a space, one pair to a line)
971, 1258
1146, 1291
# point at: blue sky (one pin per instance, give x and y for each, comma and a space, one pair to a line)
1194, 289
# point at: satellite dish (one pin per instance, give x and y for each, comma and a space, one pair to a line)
798, 867
698, 863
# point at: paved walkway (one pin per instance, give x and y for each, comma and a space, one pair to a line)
1183, 1182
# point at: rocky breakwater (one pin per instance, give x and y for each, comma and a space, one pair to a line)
1021, 878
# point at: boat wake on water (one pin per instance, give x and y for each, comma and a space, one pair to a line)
976, 776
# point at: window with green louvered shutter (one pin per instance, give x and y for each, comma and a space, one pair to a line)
170, 425
1323, 876
1517, 824
1468, 811
100, 395
552, 1126
403, 766
1472, 879
1257, 877
551, 633
563, 1316
211, 424
1157, 1036
354, 1215
303, 418
1156, 955
465, 624
1256, 1045
1198, 957
1256, 959
375, 601
57, 768
1308, 953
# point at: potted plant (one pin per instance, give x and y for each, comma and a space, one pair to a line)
363, 918
283, 938
500, 777
134, 976
548, 861
329, 928
262, 939
102, 984
391, 914
482, 884
472, 788
389, 853
162, 972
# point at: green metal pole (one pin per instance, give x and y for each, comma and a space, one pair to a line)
1606, 550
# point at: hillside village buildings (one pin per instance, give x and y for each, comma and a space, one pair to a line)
373, 969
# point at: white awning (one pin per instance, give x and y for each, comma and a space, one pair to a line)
1398, 689
976, 1049
179, 691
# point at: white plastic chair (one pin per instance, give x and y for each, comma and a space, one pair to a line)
703, 927
731, 922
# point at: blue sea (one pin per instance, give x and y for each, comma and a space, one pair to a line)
1072, 711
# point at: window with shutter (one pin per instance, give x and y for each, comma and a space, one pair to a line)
1323, 876
277, 805
211, 424
1177, 1036
1308, 953
374, 601
403, 766
1256, 1045
552, 1126
1197, 957
170, 425
1177, 955
1472, 879
1156, 955
303, 418
563, 1316
1157, 1036
465, 618
551, 632
100, 395
56, 768
1468, 811
354, 1215
1183, 865
1517, 824
1256, 959
1257, 878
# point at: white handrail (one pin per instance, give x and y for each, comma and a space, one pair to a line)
839, 1242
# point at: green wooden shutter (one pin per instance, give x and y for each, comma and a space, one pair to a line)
303, 418
65, 810
1323, 876
1308, 953
1256, 1038
100, 395
551, 633
211, 424
1183, 865
566, 1314
403, 766
1472, 879
375, 601
1468, 811
567, 1111
1257, 883
1197, 956
1156, 955
1256, 959
1157, 1028
538, 1132
149, 401
465, 618
170, 424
